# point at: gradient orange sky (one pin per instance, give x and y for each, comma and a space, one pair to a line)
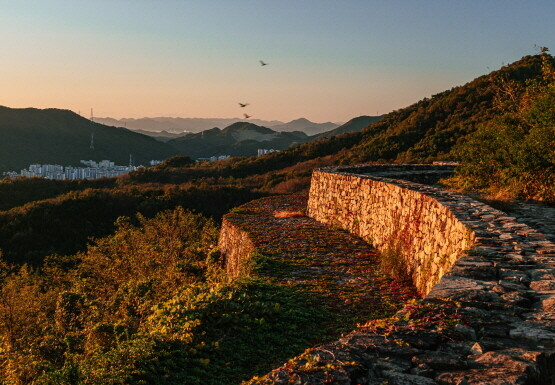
329, 60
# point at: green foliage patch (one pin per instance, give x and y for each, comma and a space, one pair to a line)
513, 156
66, 223
148, 305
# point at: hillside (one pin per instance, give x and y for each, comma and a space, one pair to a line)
353, 125
238, 139
422, 132
144, 299
430, 128
56, 136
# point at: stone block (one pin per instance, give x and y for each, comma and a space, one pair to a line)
528, 331
544, 285
396, 378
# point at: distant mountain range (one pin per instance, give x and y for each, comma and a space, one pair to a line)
245, 138
154, 126
54, 136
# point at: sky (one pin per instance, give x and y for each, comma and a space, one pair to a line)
328, 60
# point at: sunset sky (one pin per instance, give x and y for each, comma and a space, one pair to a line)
328, 60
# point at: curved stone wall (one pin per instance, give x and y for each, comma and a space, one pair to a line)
414, 226
489, 319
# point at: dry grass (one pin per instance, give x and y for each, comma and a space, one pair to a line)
288, 214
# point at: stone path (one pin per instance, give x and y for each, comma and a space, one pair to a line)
489, 321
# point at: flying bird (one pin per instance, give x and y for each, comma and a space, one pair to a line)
243, 104
262, 63
246, 116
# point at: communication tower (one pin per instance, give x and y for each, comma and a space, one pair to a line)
92, 133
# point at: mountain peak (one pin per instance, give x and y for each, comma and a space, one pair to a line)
301, 120
246, 126
305, 125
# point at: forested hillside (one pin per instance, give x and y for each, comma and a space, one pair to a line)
53, 136
434, 128
513, 155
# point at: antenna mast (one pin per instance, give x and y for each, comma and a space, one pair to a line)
92, 133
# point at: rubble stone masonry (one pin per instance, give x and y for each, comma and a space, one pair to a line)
237, 246
417, 226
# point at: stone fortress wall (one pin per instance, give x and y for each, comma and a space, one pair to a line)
417, 227
236, 245
499, 271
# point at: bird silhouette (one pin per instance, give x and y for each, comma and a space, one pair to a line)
243, 104
246, 116
262, 63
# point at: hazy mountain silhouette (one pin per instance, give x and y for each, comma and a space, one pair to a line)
305, 125
178, 125
152, 126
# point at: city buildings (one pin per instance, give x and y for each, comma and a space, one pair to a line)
94, 170
264, 151
213, 158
